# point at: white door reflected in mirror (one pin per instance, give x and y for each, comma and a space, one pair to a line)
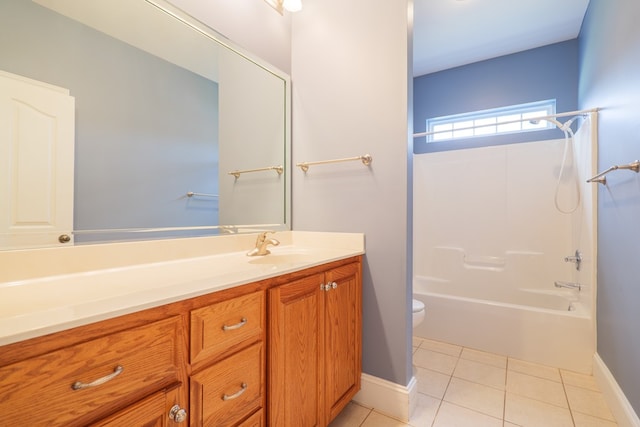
36, 160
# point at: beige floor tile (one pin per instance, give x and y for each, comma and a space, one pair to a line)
588, 402
376, 419
579, 380
584, 420
477, 397
534, 369
415, 341
439, 362
451, 415
536, 388
480, 373
527, 412
432, 383
352, 415
441, 347
484, 357
508, 424
425, 411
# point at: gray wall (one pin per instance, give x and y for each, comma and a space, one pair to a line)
350, 71
251, 24
146, 130
610, 79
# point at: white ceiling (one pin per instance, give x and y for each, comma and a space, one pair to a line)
450, 33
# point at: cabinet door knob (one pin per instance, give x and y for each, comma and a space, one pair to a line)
334, 285
177, 414
64, 238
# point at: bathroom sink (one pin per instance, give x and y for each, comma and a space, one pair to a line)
285, 256
282, 259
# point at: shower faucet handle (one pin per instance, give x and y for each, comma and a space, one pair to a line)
577, 259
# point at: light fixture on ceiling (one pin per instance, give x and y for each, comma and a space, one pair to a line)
288, 5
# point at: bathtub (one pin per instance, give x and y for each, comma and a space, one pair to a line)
551, 327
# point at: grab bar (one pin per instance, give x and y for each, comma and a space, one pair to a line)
601, 179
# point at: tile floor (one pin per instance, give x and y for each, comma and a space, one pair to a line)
462, 387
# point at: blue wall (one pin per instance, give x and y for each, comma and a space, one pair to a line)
549, 72
610, 79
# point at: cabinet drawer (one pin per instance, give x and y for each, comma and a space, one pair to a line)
40, 391
222, 328
148, 413
228, 391
255, 420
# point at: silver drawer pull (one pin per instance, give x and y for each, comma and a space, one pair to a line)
236, 394
243, 322
80, 385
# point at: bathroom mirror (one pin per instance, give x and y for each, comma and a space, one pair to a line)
165, 112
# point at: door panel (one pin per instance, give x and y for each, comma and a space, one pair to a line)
36, 162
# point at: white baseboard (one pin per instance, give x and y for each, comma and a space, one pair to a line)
613, 395
388, 398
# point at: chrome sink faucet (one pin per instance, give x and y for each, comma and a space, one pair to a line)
261, 244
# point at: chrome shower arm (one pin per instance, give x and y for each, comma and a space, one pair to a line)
601, 179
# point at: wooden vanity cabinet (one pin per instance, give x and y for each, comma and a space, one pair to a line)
284, 351
150, 412
227, 383
315, 349
296, 352
95, 375
342, 337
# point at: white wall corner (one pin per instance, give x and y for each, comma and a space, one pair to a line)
613, 395
388, 398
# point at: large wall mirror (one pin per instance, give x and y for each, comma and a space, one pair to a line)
173, 131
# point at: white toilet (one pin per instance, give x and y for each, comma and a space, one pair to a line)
418, 312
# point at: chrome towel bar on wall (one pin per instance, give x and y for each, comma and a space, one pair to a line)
366, 160
602, 179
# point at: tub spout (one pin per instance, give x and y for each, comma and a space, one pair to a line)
570, 285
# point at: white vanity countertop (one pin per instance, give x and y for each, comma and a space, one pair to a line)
45, 303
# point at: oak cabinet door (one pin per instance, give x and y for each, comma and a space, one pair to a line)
296, 337
150, 412
315, 350
342, 337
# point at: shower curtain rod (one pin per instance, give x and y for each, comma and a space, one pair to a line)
551, 116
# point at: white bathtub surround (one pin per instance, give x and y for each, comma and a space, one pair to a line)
489, 244
48, 290
553, 337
